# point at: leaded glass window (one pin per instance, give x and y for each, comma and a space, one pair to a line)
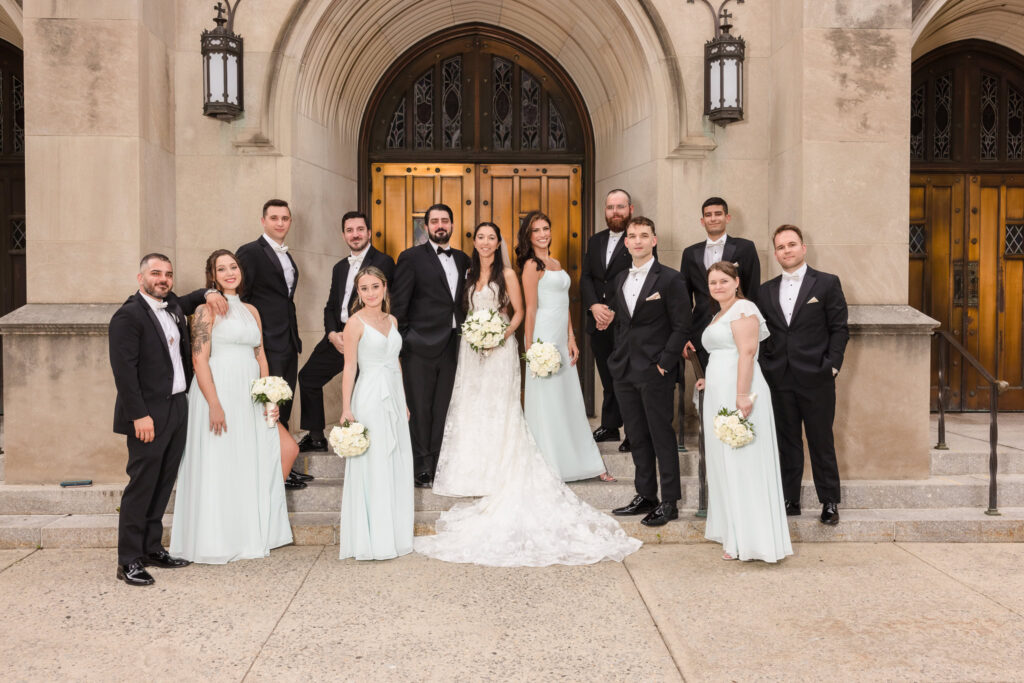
1014, 124
396, 131
943, 116
18, 92
529, 116
451, 102
1014, 239
917, 123
17, 234
502, 103
989, 117
423, 95
918, 242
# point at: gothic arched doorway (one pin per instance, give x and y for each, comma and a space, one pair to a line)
967, 210
487, 122
12, 185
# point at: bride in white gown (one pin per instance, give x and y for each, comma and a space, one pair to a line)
528, 517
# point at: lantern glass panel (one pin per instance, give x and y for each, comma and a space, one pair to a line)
232, 90
730, 83
716, 85
216, 71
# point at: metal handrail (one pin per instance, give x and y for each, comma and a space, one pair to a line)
996, 387
702, 468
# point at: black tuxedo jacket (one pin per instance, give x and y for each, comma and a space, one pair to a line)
422, 302
143, 372
597, 281
737, 250
656, 332
332, 311
265, 288
815, 339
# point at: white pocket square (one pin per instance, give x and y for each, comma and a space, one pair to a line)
653, 297
813, 300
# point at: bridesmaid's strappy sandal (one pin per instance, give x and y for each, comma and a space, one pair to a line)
604, 476
727, 556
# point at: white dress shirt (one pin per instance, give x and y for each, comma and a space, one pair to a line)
789, 289
355, 262
713, 250
171, 333
613, 241
286, 263
634, 283
450, 271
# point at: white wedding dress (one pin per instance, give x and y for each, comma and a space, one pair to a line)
528, 517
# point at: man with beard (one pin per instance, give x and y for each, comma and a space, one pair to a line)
327, 359
425, 298
605, 258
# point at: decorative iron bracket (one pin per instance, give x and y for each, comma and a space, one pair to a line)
721, 17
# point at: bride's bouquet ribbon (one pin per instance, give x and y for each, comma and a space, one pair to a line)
270, 389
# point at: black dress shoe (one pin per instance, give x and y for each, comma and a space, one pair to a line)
424, 480
661, 515
164, 560
301, 476
638, 506
293, 484
624, 446
605, 434
830, 514
792, 509
134, 574
307, 445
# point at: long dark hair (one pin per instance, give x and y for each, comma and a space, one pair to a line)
496, 277
211, 271
524, 247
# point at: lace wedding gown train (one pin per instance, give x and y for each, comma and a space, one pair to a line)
528, 518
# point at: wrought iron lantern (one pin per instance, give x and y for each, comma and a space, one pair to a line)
222, 66
723, 69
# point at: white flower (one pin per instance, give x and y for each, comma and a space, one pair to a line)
543, 359
270, 390
732, 430
350, 439
484, 330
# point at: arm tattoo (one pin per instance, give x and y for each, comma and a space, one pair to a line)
200, 332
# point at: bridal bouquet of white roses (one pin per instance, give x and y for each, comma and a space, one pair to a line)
543, 359
350, 439
484, 330
270, 390
732, 430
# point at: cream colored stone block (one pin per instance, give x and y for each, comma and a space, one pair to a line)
156, 91
751, 137
870, 273
98, 79
82, 188
787, 190
486, 11
322, 197
787, 22
59, 408
787, 97
691, 72
857, 14
746, 185
82, 9
159, 17
857, 84
83, 271
861, 188
158, 228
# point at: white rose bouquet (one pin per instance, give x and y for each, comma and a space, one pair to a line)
543, 359
350, 439
732, 430
270, 390
484, 330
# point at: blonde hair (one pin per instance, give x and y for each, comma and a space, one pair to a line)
357, 305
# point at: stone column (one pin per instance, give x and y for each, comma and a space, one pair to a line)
99, 103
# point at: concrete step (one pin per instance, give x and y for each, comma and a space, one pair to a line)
324, 495
970, 456
952, 525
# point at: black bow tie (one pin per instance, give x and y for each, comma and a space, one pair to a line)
444, 252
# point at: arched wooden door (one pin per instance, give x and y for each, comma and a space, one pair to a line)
967, 211
12, 185
488, 123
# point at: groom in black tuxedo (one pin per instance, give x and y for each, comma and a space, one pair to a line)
651, 319
806, 314
426, 299
152, 366
327, 359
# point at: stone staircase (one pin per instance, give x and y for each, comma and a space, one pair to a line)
948, 506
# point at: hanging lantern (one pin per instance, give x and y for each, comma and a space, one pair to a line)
222, 66
723, 70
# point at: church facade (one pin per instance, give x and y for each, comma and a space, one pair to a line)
498, 107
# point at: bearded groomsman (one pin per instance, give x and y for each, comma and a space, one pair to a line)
806, 314
327, 359
269, 277
426, 299
651, 319
605, 259
697, 258
152, 365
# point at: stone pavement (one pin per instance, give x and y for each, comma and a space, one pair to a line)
840, 611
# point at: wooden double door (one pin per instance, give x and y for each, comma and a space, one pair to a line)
967, 272
501, 193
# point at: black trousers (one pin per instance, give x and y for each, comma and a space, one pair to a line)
647, 414
284, 365
152, 469
814, 409
323, 365
428, 391
602, 342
